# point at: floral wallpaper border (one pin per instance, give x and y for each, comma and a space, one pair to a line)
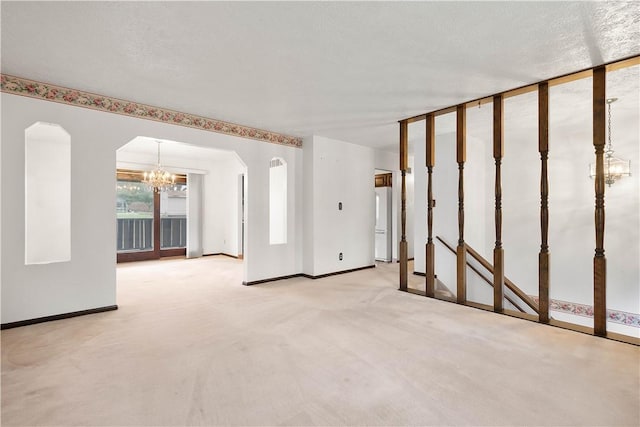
63, 95
615, 316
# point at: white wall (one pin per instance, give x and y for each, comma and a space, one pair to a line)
89, 279
479, 193
445, 214
521, 192
419, 181
221, 204
339, 172
413, 219
308, 213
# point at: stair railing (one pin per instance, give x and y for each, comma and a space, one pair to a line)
487, 266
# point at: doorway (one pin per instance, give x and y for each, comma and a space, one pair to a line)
203, 213
383, 230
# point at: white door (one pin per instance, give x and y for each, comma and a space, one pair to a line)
383, 224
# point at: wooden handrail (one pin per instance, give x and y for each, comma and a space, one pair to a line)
508, 283
489, 282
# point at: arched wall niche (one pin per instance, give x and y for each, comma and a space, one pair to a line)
47, 194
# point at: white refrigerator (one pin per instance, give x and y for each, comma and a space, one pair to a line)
383, 224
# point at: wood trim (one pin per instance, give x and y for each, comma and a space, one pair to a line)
404, 265
630, 62
430, 142
498, 252
623, 338
569, 78
271, 279
563, 78
487, 266
533, 318
404, 164
416, 292
461, 155
135, 256
307, 276
520, 91
571, 326
509, 284
224, 254
137, 176
335, 273
164, 253
521, 315
599, 259
55, 317
416, 118
150, 255
404, 146
479, 102
383, 180
543, 256
480, 306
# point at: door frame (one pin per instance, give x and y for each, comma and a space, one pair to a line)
385, 180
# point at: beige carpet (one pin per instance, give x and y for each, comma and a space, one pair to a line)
191, 346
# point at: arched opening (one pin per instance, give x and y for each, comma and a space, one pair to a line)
200, 215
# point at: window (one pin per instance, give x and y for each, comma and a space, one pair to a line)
277, 202
47, 194
173, 217
150, 224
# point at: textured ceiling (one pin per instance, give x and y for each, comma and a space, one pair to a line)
174, 149
342, 70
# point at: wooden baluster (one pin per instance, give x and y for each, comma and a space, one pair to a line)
430, 249
498, 251
543, 148
404, 164
599, 260
461, 251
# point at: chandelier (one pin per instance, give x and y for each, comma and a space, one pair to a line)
159, 179
614, 167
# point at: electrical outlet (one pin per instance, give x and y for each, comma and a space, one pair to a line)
340, 256
339, 206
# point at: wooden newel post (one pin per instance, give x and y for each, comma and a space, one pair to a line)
404, 164
498, 251
461, 251
430, 249
599, 260
543, 148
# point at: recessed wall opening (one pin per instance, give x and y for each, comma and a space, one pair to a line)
47, 194
196, 214
277, 201
199, 212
